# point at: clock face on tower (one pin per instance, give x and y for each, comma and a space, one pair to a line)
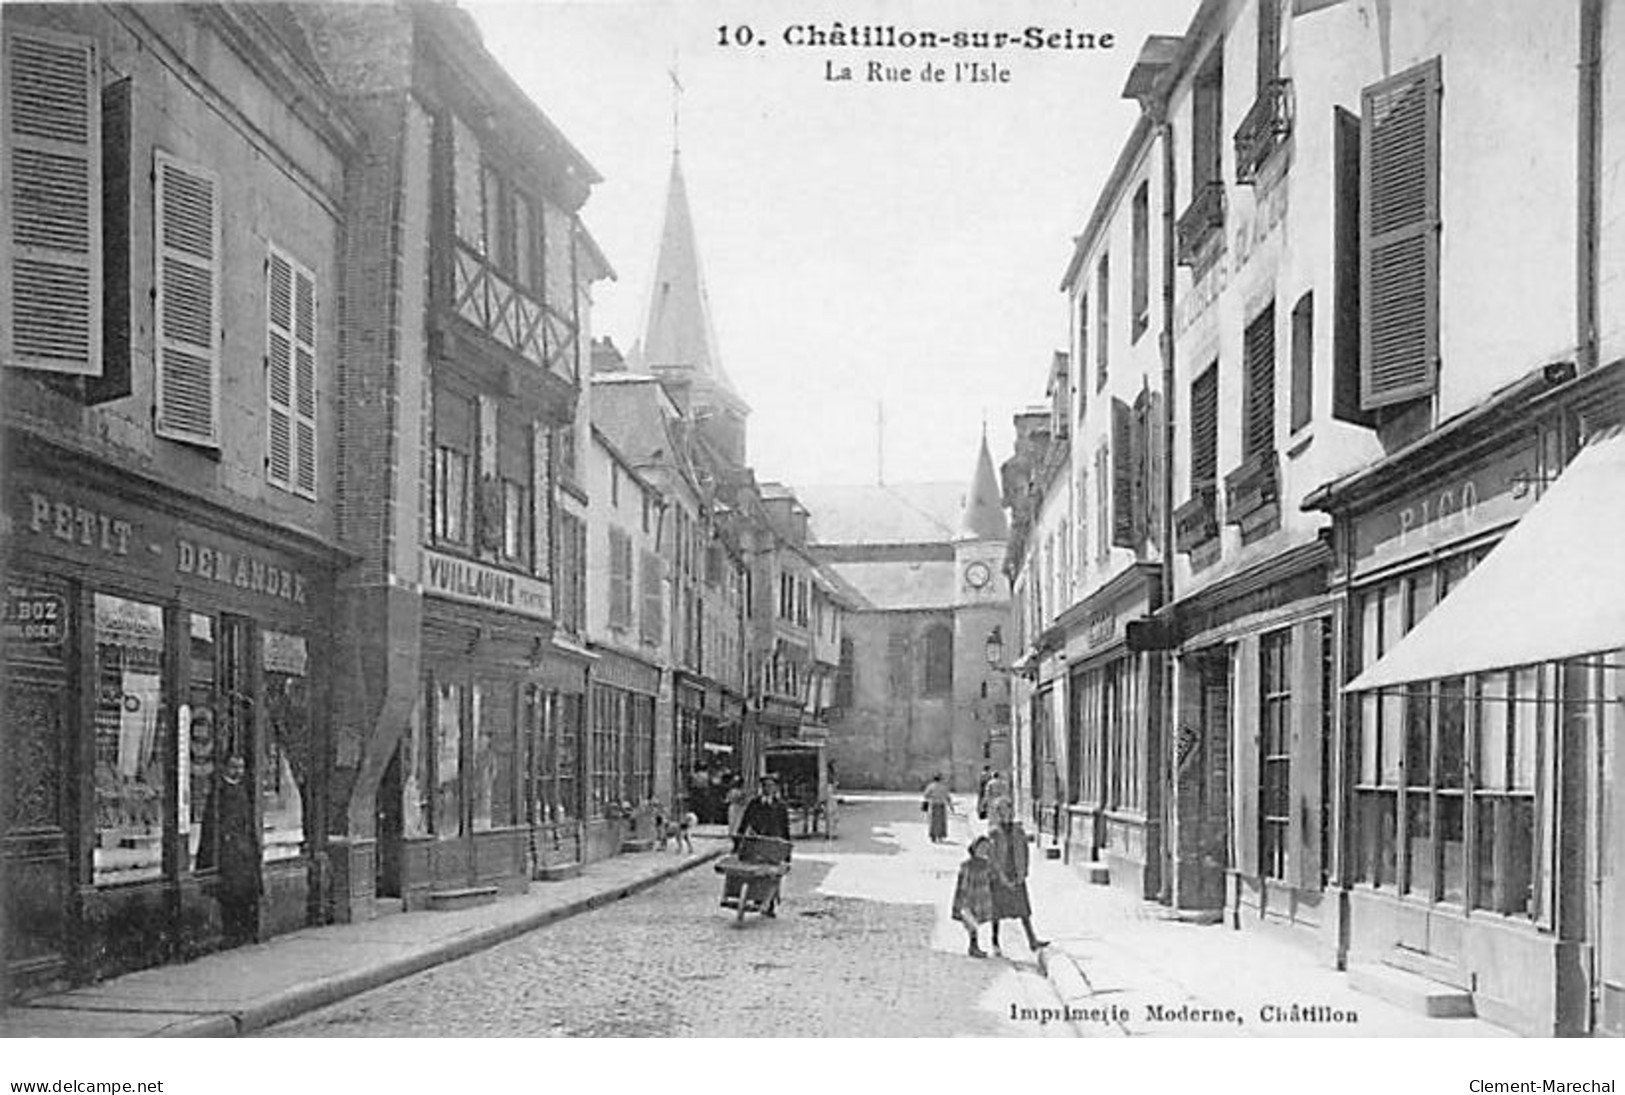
978, 575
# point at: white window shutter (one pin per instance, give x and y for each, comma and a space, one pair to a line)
188, 301
279, 370
51, 228
304, 405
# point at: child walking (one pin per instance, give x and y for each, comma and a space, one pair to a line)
973, 893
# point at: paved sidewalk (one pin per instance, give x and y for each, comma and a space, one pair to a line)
240, 991
1133, 971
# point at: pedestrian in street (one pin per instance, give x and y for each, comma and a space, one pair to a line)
765, 815
981, 791
1009, 884
936, 803
737, 798
973, 893
231, 843
997, 787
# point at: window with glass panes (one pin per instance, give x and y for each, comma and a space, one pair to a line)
446, 705
1449, 797
514, 450
607, 746
558, 765
640, 748
455, 439
1274, 752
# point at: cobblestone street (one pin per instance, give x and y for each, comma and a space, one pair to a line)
862, 947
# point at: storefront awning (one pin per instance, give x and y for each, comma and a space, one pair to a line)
1552, 589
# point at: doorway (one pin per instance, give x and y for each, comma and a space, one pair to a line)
390, 833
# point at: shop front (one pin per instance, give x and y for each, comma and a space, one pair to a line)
710, 747
1113, 816
163, 727
1252, 722
461, 773
620, 755
1480, 827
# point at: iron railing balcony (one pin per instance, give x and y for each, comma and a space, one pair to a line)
1264, 130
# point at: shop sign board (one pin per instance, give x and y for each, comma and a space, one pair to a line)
1450, 509
34, 616
474, 583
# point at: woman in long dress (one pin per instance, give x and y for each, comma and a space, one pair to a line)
937, 800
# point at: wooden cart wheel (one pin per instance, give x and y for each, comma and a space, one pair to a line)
740, 918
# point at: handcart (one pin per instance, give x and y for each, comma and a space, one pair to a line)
751, 876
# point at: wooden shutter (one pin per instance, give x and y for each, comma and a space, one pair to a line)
1205, 428
1148, 463
188, 301
1083, 355
1269, 41
1399, 237
51, 228
290, 374
279, 370
1347, 311
620, 578
117, 287
1303, 361
1103, 299
541, 506
652, 622
304, 382
1123, 467
1258, 428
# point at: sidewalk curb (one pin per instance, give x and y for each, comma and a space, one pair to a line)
1072, 985
318, 994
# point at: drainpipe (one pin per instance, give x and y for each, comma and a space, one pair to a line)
1589, 141
1165, 340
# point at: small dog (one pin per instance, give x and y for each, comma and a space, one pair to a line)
680, 833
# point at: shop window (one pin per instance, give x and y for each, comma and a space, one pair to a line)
609, 713
131, 771
454, 445
286, 759
640, 749
417, 776
493, 755
448, 753
1275, 753
561, 733
1511, 727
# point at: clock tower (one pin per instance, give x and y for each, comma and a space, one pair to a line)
981, 605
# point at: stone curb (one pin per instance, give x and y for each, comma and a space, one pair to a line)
308, 997
1072, 985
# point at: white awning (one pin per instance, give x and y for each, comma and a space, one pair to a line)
1553, 588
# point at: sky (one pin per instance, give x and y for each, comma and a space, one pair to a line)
870, 248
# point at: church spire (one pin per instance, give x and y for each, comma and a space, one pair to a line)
984, 507
679, 335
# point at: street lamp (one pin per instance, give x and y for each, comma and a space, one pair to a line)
995, 649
